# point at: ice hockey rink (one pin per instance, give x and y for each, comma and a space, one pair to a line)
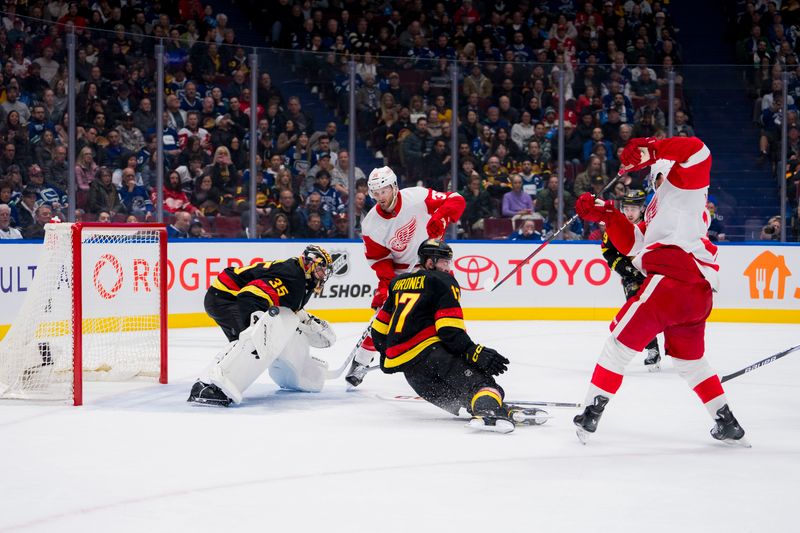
137, 457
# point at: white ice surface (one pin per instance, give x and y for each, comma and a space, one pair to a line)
137, 457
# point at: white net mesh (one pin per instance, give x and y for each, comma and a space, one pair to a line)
120, 303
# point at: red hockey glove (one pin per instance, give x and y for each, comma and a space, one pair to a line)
436, 226
632, 158
593, 209
381, 293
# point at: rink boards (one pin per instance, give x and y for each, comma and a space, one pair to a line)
566, 281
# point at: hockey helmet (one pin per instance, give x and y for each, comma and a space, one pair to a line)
314, 257
380, 178
634, 197
434, 249
661, 166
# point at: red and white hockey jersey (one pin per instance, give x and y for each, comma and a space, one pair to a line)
672, 239
391, 240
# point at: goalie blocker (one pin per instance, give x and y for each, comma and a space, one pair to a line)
277, 340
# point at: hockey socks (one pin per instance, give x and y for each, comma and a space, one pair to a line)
489, 413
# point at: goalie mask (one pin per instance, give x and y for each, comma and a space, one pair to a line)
316, 258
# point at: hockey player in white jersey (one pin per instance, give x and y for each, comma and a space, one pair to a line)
392, 232
670, 247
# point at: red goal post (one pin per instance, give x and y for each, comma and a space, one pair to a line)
96, 310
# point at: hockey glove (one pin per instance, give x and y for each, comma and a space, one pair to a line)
381, 293
593, 209
487, 360
436, 226
317, 331
632, 157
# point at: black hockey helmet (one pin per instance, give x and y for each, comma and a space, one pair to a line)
434, 249
634, 197
316, 256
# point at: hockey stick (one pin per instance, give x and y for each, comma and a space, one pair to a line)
521, 403
550, 238
334, 374
759, 364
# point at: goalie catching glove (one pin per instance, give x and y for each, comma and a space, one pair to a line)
318, 332
487, 360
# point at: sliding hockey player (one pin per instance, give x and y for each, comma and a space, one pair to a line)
681, 271
632, 279
420, 331
260, 309
392, 231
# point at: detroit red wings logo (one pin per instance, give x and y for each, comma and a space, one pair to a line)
403, 236
651, 210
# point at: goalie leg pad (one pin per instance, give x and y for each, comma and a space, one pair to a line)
296, 369
258, 346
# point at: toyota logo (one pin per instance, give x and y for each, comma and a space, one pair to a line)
477, 269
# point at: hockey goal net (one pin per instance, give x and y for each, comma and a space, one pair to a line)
96, 310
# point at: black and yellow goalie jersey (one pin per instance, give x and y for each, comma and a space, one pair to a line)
422, 309
262, 285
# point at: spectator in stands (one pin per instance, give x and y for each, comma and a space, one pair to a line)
204, 196
547, 202
716, 231
222, 172
415, 147
294, 112
175, 199
339, 179
526, 232
43, 215
331, 199
516, 202
288, 206
6, 231
103, 195
583, 181
682, 126
340, 228
479, 206
144, 118
313, 205
772, 231
299, 158
12, 103
131, 137
280, 228
104, 217
437, 167
659, 119
135, 199
495, 178
179, 229
597, 138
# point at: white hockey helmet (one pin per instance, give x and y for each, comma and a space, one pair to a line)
380, 178
661, 166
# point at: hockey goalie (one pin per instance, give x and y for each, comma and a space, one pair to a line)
260, 309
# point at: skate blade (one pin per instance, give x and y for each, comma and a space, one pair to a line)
656, 367
742, 443
536, 420
207, 403
583, 435
501, 426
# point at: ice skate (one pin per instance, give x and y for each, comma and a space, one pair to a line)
208, 394
727, 428
530, 416
356, 374
495, 421
652, 360
586, 422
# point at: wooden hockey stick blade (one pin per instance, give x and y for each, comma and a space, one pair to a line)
768, 360
549, 239
521, 403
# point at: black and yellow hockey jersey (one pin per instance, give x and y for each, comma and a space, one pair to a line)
279, 283
422, 309
619, 262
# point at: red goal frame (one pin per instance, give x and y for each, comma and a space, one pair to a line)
77, 298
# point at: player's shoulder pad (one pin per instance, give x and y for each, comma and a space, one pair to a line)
448, 280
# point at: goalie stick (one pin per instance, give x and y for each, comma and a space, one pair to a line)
550, 238
768, 360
